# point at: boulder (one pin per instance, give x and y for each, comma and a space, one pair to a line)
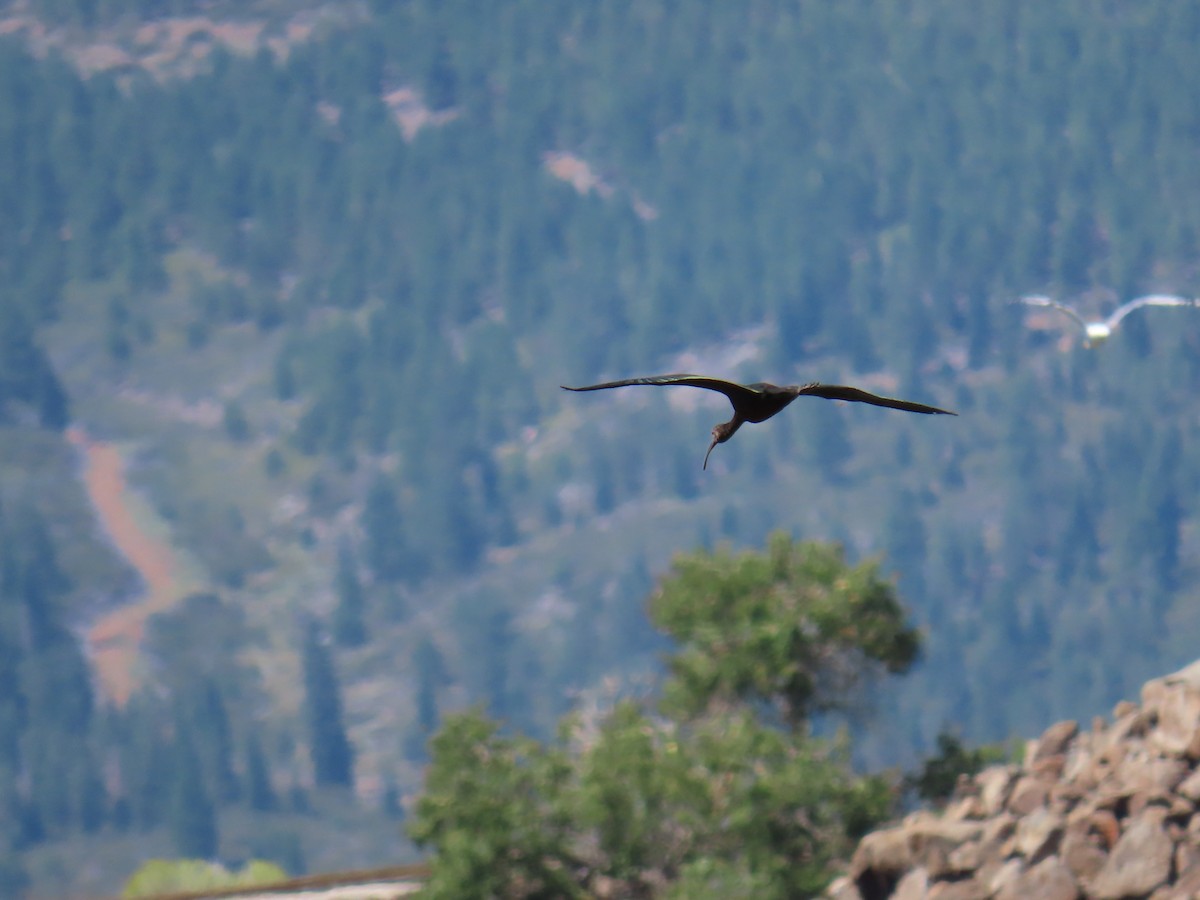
1053, 742
1139, 863
1190, 786
1082, 853
1048, 880
958, 890
1178, 729
1039, 834
913, 886
995, 784
1187, 885
1027, 795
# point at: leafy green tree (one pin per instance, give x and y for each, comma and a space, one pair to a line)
492, 808
283, 846
643, 803
795, 628
715, 800
162, 876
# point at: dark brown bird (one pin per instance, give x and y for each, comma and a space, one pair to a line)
759, 401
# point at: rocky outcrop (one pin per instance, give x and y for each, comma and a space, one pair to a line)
1106, 813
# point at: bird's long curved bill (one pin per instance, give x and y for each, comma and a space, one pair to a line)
710, 450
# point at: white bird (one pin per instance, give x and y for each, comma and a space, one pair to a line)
1098, 331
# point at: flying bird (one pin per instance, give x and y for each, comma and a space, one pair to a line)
759, 401
1100, 330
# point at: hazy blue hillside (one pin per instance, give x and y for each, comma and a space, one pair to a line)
322, 281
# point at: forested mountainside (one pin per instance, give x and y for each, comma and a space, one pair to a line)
321, 284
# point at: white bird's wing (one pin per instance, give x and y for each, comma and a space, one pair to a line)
1041, 300
1148, 300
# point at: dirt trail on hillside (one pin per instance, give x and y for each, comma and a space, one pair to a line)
114, 639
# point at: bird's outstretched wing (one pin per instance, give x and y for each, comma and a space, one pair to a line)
1149, 300
854, 395
1040, 300
730, 389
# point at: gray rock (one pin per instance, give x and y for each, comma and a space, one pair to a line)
923, 839
971, 855
1187, 857
843, 888
1123, 708
1153, 775
913, 886
1004, 876
968, 889
1104, 824
1079, 762
1189, 675
1176, 702
1134, 723
1039, 834
995, 785
1187, 884
1027, 795
969, 807
1143, 799
1190, 786
1139, 863
1048, 768
1048, 880
931, 842
968, 857
1180, 808
1082, 854
1054, 741
885, 852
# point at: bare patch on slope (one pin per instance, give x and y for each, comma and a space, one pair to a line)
172, 46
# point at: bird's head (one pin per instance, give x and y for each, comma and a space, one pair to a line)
720, 434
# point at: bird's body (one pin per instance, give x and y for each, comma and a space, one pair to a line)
1097, 331
760, 401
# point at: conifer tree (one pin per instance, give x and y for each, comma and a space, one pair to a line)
332, 755
349, 628
259, 792
191, 816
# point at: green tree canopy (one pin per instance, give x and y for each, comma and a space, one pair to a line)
796, 628
159, 876
712, 800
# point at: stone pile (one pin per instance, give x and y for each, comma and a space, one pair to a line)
1109, 813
